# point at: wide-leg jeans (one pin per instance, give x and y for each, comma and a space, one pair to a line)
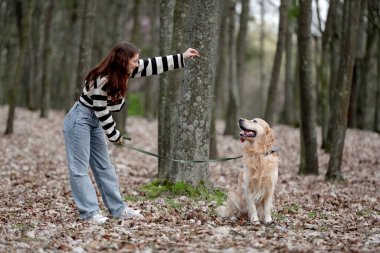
86, 145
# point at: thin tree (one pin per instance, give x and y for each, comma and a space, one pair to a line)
377, 103
288, 113
309, 155
341, 91
276, 69
166, 31
241, 44
334, 58
46, 103
219, 79
233, 88
262, 53
86, 41
196, 94
24, 10
323, 71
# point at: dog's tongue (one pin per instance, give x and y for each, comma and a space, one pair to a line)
242, 139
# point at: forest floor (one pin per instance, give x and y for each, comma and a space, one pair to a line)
37, 212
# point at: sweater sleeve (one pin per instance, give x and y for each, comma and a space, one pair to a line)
158, 65
101, 111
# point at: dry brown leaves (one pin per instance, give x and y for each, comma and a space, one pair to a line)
38, 214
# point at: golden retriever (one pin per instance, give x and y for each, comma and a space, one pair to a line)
253, 195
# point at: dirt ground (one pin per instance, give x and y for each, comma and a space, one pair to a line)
37, 212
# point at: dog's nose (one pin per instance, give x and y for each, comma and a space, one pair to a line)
241, 120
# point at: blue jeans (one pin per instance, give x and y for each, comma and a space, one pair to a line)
86, 145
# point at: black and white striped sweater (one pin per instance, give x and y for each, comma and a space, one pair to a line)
97, 99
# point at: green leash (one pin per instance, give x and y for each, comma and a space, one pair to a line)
223, 159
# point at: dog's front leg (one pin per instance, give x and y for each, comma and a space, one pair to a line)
252, 212
267, 209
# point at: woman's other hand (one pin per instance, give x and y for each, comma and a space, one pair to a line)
190, 53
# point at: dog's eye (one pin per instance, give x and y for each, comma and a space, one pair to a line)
254, 121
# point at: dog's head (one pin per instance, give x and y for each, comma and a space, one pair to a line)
257, 132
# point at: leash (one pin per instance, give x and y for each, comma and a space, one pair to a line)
223, 159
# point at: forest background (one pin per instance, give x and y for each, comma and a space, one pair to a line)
313, 66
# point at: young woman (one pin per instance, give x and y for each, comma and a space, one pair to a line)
90, 119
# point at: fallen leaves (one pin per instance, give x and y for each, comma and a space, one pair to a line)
37, 213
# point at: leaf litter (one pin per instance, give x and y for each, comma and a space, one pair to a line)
38, 214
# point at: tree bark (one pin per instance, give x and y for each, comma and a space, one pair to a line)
24, 13
323, 70
262, 55
241, 45
233, 92
337, 22
180, 20
289, 116
45, 95
219, 79
309, 156
276, 69
166, 31
377, 103
196, 94
342, 89
86, 41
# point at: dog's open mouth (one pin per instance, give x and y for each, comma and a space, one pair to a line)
247, 134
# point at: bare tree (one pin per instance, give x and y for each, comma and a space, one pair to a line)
87, 33
233, 88
289, 111
180, 20
276, 69
166, 31
46, 99
341, 91
309, 155
196, 94
24, 10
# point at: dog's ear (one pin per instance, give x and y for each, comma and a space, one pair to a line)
269, 138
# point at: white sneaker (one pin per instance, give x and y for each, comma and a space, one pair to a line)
130, 213
98, 218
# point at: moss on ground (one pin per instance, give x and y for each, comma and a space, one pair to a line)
169, 190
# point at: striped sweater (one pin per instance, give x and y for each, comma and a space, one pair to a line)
96, 98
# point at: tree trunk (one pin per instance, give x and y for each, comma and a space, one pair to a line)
334, 65
309, 156
271, 102
45, 96
241, 45
219, 79
180, 20
263, 78
86, 41
233, 92
150, 101
364, 89
24, 13
166, 31
323, 70
196, 94
356, 89
289, 104
377, 103
342, 89
121, 117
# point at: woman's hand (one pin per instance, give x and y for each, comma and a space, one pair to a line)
190, 53
120, 141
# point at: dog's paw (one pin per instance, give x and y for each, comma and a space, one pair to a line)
254, 220
268, 220
220, 211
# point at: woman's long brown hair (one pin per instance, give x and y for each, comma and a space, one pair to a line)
115, 67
